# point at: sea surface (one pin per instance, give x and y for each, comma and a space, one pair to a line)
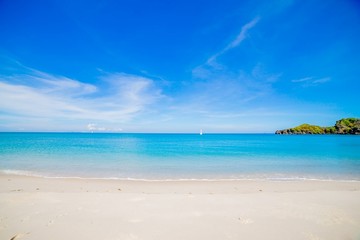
181, 156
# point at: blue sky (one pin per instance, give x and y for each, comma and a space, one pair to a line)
177, 66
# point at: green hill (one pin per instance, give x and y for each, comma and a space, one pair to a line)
343, 126
348, 126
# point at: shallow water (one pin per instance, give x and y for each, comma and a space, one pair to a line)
181, 156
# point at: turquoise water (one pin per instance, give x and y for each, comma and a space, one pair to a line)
181, 156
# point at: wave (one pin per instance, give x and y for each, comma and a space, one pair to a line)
248, 178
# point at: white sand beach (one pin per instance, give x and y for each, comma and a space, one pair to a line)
58, 209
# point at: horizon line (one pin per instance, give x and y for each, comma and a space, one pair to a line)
89, 132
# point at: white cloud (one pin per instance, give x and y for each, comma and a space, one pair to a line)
311, 81
321, 80
243, 34
211, 65
48, 83
133, 89
92, 127
225, 90
236, 42
37, 95
302, 79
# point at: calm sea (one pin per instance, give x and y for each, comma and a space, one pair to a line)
181, 156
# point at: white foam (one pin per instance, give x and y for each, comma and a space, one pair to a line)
20, 173
271, 179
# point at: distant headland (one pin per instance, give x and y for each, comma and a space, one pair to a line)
342, 126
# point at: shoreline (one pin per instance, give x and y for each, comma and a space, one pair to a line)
235, 181
32, 184
22, 173
53, 208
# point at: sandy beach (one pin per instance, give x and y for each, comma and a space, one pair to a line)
40, 208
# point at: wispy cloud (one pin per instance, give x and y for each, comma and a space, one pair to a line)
225, 90
236, 42
302, 79
37, 95
311, 81
211, 65
321, 80
219, 87
242, 35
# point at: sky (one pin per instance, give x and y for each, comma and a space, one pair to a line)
224, 66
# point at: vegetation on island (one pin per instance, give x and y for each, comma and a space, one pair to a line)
342, 126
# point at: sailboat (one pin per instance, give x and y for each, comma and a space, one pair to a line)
201, 132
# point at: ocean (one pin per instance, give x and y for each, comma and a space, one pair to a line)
181, 156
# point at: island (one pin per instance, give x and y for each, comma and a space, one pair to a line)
342, 126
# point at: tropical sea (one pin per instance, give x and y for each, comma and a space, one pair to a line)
181, 156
